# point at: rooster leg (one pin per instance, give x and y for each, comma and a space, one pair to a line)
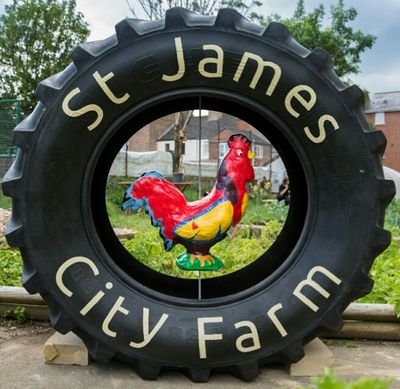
203, 259
201, 262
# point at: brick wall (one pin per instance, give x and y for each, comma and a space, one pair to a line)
146, 138
391, 129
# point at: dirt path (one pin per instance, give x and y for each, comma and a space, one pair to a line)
4, 216
10, 329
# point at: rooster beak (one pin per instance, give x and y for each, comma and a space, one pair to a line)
250, 154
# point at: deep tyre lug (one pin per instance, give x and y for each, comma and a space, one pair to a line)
387, 190
381, 242
277, 32
377, 142
353, 96
333, 321
22, 134
293, 353
12, 182
148, 370
247, 371
320, 59
48, 90
199, 375
177, 17
362, 287
99, 352
31, 279
15, 233
60, 320
126, 31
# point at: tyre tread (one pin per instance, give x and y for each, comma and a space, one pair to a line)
127, 31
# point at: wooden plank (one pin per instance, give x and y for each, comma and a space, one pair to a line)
371, 312
17, 295
367, 330
34, 312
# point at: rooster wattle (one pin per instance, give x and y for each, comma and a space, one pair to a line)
197, 225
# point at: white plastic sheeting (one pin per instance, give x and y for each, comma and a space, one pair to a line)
137, 163
275, 171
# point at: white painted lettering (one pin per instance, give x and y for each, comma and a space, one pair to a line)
321, 126
81, 111
147, 334
310, 282
117, 307
261, 64
253, 335
106, 89
218, 61
66, 265
99, 295
295, 94
202, 336
181, 63
272, 315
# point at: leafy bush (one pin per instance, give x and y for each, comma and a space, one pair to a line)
5, 202
10, 266
330, 381
386, 274
236, 251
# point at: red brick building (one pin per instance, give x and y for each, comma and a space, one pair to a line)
383, 111
214, 133
146, 138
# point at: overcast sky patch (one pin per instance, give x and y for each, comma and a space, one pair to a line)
379, 67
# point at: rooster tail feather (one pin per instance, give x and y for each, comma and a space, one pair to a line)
133, 203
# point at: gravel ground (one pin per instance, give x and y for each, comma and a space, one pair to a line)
4, 216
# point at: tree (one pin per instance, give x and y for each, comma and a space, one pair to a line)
155, 9
37, 39
344, 44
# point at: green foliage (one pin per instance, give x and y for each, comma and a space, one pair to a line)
386, 269
5, 202
10, 265
236, 251
386, 274
155, 9
339, 39
18, 313
37, 39
330, 381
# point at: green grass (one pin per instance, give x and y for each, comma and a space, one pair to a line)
5, 202
237, 250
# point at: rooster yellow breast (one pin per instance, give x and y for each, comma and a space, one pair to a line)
208, 224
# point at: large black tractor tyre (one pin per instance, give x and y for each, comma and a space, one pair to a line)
263, 313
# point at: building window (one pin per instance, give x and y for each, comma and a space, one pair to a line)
204, 149
167, 147
380, 118
259, 151
222, 149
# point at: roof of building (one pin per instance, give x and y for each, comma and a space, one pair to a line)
384, 102
210, 129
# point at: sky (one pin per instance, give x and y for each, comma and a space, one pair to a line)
380, 66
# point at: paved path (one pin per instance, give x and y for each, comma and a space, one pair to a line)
22, 366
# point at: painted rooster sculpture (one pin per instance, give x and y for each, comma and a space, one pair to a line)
197, 225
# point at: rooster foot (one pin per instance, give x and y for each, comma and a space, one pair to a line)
199, 262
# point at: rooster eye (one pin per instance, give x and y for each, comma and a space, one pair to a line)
239, 153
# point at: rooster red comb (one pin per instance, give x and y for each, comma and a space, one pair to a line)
238, 139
